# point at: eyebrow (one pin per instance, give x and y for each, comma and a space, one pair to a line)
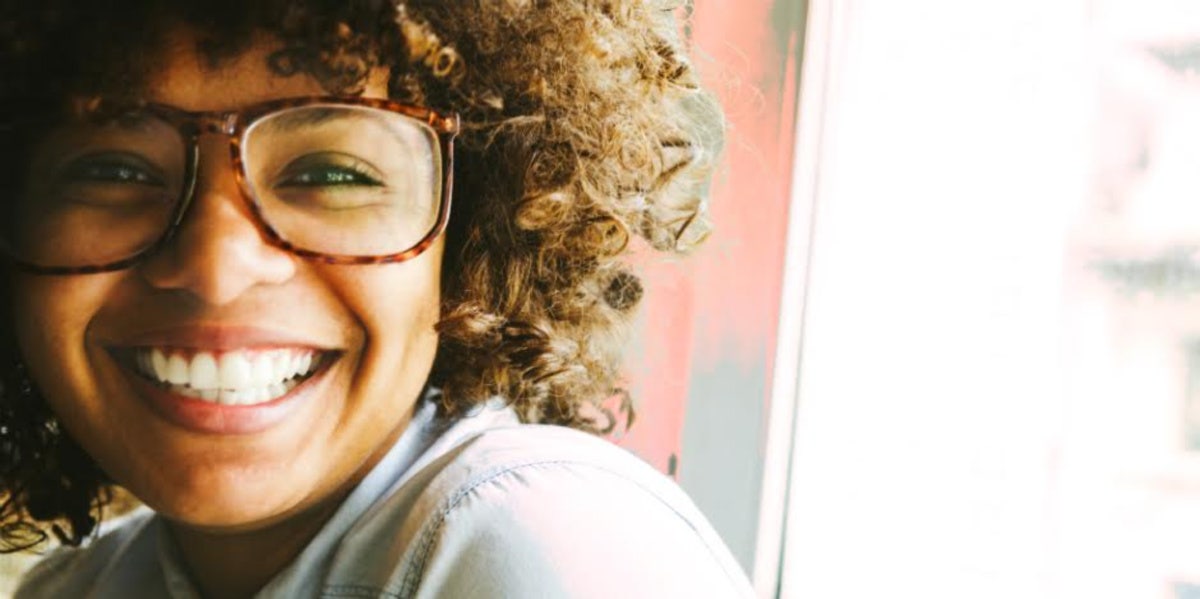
294, 119
131, 121
306, 117
311, 116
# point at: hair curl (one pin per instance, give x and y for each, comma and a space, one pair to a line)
584, 126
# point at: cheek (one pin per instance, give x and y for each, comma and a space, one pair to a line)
396, 305
51, 317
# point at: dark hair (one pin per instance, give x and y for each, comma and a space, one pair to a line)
584, 127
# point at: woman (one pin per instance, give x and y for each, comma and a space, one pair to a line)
237, 290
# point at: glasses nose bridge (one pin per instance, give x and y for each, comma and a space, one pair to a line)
215, 123
223, 124
196, 125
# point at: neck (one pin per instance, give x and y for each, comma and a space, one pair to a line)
240, 564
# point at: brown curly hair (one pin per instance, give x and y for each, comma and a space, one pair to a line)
583, 127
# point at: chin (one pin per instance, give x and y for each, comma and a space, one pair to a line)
229, 502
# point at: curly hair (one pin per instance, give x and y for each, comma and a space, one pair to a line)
583, 127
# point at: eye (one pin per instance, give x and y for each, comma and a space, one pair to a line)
109, 180
329, 169
112, 168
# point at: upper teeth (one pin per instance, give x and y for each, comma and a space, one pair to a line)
235, 377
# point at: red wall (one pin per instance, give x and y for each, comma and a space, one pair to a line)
719, 308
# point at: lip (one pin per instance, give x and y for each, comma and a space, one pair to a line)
219, 338
206, 417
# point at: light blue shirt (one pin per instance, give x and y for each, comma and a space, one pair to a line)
478, 507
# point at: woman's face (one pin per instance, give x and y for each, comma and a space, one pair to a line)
219, 291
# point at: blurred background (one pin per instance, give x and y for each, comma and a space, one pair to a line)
942, 342
996, 389
946, 339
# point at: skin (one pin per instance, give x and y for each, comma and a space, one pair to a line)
240, 506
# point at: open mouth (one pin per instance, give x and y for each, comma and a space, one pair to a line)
232, 378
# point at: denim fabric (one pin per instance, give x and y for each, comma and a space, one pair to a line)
478, 507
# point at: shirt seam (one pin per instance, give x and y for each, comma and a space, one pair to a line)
357, 591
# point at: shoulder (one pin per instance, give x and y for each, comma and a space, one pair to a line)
539, 466
75, 571
550, 511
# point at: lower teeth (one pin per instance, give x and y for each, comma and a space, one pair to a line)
240, 396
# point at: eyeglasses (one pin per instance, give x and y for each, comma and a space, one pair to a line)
335, 180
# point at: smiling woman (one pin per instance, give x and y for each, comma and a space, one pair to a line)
236, 288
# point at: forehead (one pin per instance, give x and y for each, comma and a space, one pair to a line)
185, 77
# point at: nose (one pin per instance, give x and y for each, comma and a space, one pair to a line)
218, 253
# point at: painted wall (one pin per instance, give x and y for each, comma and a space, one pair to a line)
702, 362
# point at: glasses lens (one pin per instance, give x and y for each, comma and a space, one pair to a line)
94, 193
345, 180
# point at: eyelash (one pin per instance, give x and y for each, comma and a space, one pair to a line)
106, 172
364, 178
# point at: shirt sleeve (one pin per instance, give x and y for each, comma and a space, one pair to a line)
572, 530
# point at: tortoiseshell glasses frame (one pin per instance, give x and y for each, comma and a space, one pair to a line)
234, 124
